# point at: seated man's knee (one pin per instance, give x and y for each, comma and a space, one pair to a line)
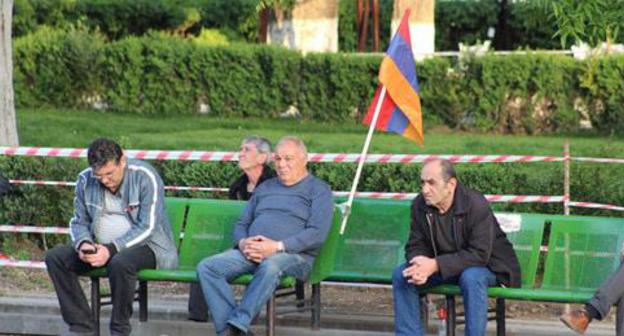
118, 264
474, 276
56, 254
398, 279
269, 267
208, 267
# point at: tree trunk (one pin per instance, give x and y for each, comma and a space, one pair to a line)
422, 29
8, 124
311, 26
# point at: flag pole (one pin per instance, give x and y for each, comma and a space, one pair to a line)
346, 207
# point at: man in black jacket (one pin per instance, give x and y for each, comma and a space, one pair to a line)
454, 239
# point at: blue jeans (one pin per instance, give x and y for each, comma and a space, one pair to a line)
216, 271
473, 282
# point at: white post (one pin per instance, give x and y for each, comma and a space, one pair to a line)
347, 206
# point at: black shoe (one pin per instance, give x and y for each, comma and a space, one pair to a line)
237, 332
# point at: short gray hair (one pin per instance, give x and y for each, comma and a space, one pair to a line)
263, 146
295, 140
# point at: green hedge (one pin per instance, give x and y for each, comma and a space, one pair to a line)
165, 75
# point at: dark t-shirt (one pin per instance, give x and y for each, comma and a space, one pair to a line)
238, 189
443, 231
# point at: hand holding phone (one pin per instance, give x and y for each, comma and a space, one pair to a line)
89, 251
88, 248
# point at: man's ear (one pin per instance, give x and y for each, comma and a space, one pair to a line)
452, 182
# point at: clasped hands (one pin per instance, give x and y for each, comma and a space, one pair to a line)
420, 269
97, 255
257, 248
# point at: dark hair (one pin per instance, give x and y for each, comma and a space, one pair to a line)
448, 171
446, 168
101, 151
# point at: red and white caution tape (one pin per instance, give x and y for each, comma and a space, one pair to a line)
22, 263
313, 157
599, 160
596, 206
73, 184
47, 183
33, 229
389, 195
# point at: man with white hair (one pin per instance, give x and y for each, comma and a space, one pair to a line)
279, 233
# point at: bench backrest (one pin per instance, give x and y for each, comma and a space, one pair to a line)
374, 242
176, 211
582, 251
208, 230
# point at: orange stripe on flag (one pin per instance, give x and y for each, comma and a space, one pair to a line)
404, 97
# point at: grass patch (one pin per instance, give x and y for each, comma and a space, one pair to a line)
76, 128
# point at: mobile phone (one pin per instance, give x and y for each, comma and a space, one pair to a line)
89, 251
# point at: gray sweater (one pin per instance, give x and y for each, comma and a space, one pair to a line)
299, 215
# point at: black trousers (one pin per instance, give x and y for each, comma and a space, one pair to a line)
64, 266
197, 308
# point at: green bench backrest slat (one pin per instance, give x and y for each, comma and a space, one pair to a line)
527, 242
176, 209
582, 252
208, 229
374, 241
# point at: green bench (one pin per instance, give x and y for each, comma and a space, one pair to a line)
582, 252
207, 226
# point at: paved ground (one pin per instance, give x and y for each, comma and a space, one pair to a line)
38, 315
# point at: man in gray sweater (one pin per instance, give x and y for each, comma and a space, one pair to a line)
278, 234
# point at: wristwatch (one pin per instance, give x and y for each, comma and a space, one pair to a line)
280, 247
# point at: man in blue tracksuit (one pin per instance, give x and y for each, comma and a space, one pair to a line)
119, 222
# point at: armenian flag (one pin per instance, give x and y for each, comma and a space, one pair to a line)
400, 110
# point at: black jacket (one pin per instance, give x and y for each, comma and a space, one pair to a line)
238, 189
478, 237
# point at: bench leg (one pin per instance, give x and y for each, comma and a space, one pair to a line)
316, 306
300, 293
500, 317
95, 304
143, 301
270, 316
451, 320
